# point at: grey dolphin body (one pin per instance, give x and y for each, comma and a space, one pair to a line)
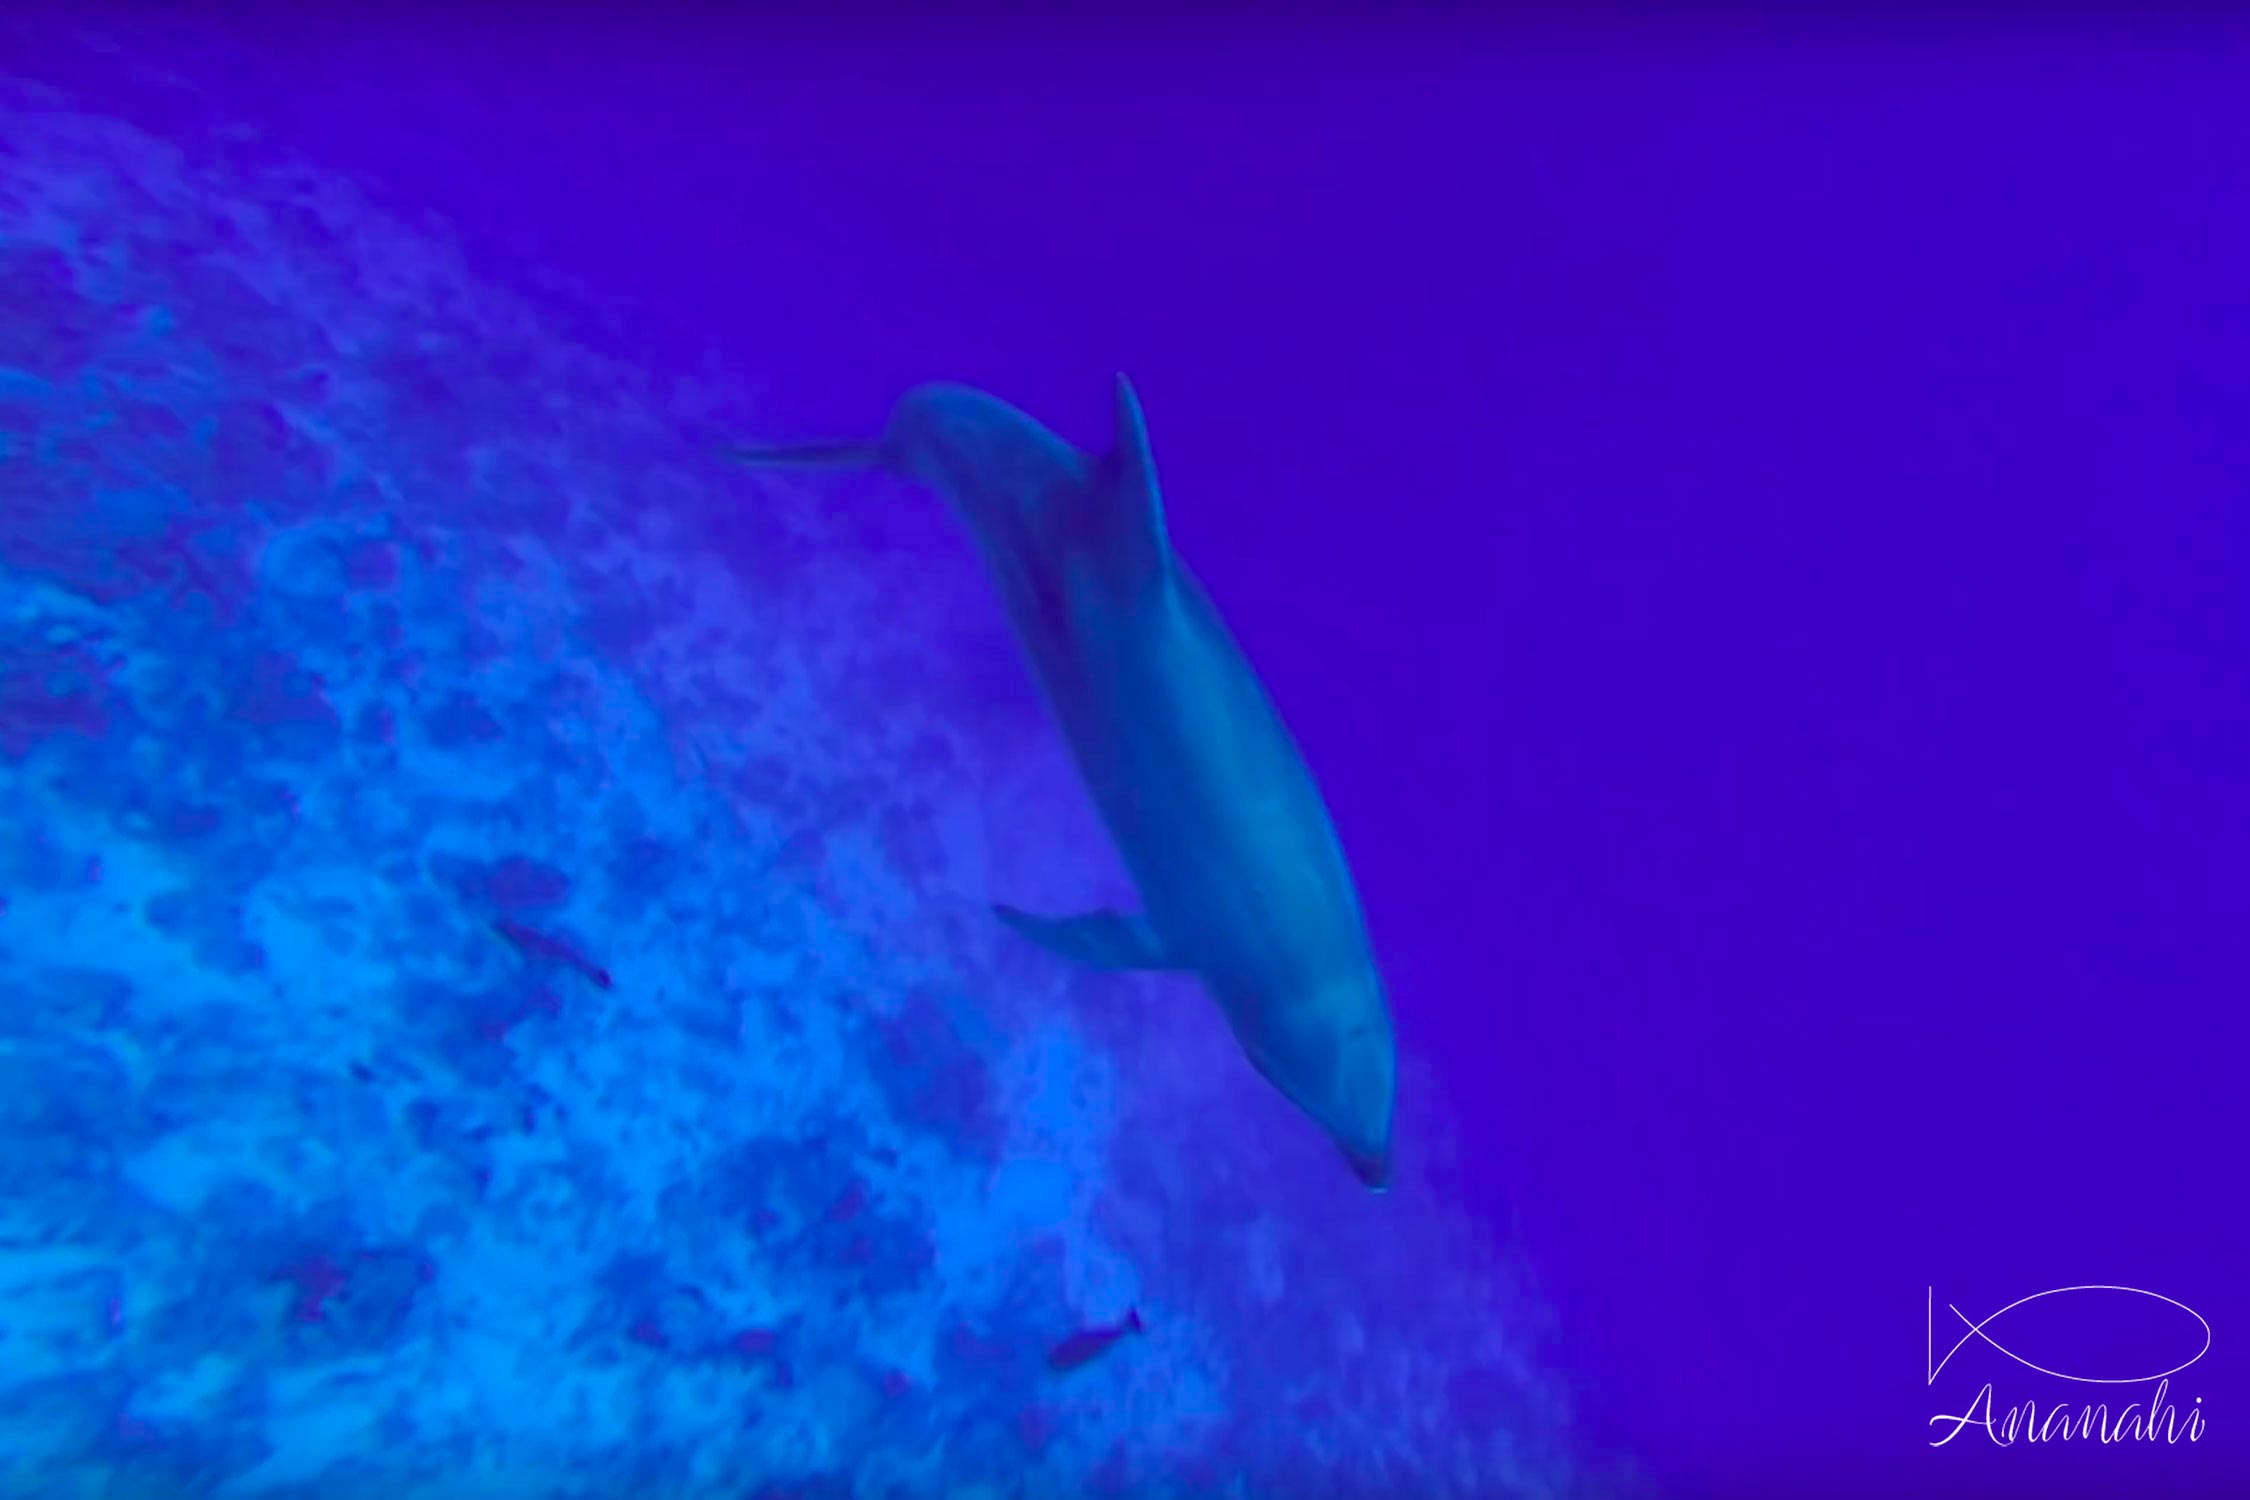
1212, 807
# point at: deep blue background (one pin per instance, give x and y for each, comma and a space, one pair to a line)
1740, 521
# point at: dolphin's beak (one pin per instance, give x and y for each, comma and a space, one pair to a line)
1373, 1169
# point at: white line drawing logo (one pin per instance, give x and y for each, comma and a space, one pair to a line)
1978, 1330
2154, 1419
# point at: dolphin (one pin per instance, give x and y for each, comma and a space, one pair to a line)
1242, 880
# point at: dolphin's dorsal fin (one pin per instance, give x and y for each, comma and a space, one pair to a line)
1134, 536
1104, 939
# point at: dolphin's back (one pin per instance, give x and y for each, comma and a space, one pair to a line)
1076, 543
1031, 496
993, 462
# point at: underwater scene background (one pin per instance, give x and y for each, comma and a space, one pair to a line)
500, 989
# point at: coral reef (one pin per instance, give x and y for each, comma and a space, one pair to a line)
498, 991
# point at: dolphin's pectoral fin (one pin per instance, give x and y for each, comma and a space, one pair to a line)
1104, 939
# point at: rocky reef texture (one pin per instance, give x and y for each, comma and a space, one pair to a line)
498, 992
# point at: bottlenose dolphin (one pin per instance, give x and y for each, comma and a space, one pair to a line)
1241, 877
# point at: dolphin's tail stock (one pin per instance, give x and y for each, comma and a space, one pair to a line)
811, 456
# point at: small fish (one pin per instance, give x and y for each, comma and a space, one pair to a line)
1088, 1345
539, 945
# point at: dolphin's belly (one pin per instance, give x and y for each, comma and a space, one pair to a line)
1208, 798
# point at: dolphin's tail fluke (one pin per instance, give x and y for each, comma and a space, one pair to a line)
812, 456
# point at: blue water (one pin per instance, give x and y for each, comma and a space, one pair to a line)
1748, 526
